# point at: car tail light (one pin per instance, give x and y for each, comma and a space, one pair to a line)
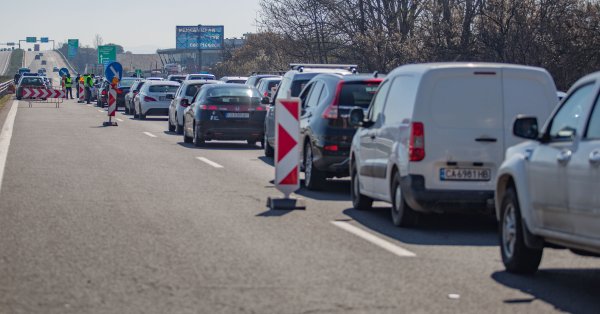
119, 91
148, 98
331, 148
209, 107
266, 94
184, 102
331, 112
261, 108
416, 147
103, 92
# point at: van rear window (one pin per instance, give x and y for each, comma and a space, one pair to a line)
357, 94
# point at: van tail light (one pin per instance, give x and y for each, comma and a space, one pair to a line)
148, 98
184, 103
209, 107
416, 148
331, 112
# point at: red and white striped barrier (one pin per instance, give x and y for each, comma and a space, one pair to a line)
42, 93
287, 153
112, 101
81, 92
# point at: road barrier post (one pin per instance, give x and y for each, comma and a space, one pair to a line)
112, 104
287, 154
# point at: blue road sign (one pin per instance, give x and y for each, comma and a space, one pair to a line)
113, 69
63, 71
44, 39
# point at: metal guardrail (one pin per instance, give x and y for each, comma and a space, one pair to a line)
5, 87
69, 66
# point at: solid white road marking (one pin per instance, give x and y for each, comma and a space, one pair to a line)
150, 134
5, 136
210, 162
120, 120
386, 245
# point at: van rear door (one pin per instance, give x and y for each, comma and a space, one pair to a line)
526, 92
462, 114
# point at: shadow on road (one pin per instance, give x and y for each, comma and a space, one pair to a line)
267, 160
435, 229
221, 146
574, 291
335, 190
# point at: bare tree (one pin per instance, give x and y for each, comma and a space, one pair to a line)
98, 41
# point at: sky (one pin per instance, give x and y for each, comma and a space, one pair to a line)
140, 26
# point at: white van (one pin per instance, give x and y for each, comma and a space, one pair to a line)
435, 135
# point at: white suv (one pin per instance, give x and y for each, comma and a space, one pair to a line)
435, 135
548, 189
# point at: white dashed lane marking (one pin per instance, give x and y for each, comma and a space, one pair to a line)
150, 134
384, 244
210, 162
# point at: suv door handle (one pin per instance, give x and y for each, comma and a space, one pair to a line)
486, 139
595, 158
564, 156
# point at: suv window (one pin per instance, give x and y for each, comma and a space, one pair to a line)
567, 122
377, 105
315, 94
593, 131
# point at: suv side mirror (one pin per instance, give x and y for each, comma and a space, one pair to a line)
526, 127
357, 117
265, 101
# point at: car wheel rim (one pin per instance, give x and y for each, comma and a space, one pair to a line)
308, 165
509, 230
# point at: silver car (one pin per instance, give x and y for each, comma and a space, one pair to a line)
153, 99
182, 99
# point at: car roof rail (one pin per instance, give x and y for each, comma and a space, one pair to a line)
301, 66
268, 72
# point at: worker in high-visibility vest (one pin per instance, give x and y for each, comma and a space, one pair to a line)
88, 83
68, 86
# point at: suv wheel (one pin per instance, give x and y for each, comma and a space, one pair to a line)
313, 177
171, 126
402, 214
269, 151
516, 256
359, 201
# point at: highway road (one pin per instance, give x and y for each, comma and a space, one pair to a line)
129, 219
4, 61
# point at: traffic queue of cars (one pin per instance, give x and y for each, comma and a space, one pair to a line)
427, 139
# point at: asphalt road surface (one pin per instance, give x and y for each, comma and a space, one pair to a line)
4, 61
129, 219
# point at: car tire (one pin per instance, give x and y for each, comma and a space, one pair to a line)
313, 177
141, 116
171, 126
186, 139
402, 214
198, 138
359, 201
516, 255
178, 128
269, 150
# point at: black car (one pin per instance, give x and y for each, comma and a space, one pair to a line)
325, 130
123, 88
231, 112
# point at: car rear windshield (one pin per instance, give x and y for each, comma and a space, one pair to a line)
126, 83
236, 81
32, 81
357, 94
202, 77
297, 87
163, 88
192, 90
232, 94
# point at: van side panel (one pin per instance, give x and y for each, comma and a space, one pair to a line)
526, 92
459, 107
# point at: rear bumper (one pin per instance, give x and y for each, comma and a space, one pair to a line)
157, 112
461, 201
231, 131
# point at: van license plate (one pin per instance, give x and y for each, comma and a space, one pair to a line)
465, 174
233, 115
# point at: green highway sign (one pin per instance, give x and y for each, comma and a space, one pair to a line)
107, 54
73, 47
138, 72
31, 39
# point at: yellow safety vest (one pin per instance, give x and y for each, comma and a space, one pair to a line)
68, 82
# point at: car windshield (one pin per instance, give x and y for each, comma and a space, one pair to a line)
357, 94
163, 88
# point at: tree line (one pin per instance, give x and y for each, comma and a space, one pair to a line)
562, 36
